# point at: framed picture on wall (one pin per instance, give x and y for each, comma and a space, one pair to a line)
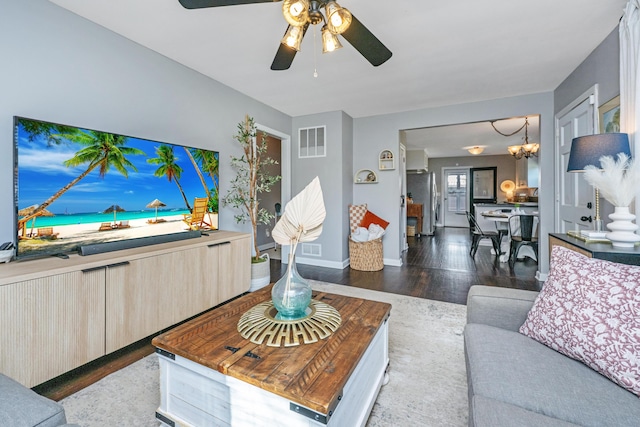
610, 116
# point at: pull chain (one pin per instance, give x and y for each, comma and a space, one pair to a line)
315, 57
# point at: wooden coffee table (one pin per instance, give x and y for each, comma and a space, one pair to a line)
211, 376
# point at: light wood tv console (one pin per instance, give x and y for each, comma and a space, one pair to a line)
58, 314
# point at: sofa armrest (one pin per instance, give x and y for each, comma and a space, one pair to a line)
500, 307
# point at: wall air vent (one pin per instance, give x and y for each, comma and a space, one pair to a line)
311, 249
312, 142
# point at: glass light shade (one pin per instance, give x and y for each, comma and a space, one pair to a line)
475, 150
293, 37
296, 12
330, 41
514, 149
338, 18
529, 149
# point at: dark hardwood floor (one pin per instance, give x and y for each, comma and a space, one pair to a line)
435, 267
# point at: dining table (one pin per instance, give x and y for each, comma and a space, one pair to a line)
501, 219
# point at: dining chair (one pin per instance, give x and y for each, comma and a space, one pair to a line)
522, 234
477, 234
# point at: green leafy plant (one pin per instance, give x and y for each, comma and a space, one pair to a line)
251, 179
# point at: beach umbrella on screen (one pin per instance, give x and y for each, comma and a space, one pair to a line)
156, 204
114, 209
27, 212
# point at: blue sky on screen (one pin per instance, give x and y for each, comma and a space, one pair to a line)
41, 173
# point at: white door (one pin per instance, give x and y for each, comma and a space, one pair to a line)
403, 201
575, 198
455, 197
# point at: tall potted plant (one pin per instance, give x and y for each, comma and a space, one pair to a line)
252, 179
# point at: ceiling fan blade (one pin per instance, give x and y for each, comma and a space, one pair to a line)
285, 54
199, 4
366, 43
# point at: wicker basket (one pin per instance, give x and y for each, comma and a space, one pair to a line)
366, 256
411, 230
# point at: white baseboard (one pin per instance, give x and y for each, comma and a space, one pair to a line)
321, 263
392, 262
267, 246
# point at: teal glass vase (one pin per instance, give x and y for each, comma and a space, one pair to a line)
291, 295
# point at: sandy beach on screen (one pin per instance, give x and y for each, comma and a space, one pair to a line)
68, 237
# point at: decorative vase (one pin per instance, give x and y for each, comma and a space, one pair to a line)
291, 295
622, 228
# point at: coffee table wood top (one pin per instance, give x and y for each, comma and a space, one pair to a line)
312, 375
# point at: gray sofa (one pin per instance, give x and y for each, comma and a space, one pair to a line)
22, 407
515, 381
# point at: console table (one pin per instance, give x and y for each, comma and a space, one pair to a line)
596, 250
210, 375
58, 314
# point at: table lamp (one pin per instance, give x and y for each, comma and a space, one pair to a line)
587, 150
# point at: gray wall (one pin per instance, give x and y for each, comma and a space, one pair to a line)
601, 67
334, 170
373, 134
62, 68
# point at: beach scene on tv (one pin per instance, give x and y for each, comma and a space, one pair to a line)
78, 187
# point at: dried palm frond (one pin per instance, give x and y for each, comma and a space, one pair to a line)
302, 218
618, 181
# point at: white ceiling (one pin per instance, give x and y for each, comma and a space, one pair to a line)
444, 52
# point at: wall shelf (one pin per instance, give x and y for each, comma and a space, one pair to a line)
365, 176
386, 160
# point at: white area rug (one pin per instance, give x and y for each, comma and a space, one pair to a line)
427, 386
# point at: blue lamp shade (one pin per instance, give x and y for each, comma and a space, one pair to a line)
587, 150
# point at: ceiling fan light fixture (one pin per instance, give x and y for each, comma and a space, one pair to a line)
293, 37
330, 41
338, 17
296, 12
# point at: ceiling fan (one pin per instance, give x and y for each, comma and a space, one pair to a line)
302, 13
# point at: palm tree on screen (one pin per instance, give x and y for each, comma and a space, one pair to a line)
168, 166
198, 171
210, 164
102, 151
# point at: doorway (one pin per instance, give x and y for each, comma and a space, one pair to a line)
455, 197
283, 155
574, 196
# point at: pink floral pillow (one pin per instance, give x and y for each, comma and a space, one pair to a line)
589, 310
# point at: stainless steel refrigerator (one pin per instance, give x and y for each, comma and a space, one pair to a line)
422, 186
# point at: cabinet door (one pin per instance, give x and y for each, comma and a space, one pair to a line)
235, 268
51, 325
195, 282
139, 297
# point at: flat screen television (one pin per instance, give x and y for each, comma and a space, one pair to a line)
76, 188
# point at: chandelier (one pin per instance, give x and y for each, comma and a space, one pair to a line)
526, 150
300, 13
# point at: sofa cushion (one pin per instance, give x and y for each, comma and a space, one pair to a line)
22, 407
371, 218
491, 412
501, 307
356, 213
589, 309
512, 368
